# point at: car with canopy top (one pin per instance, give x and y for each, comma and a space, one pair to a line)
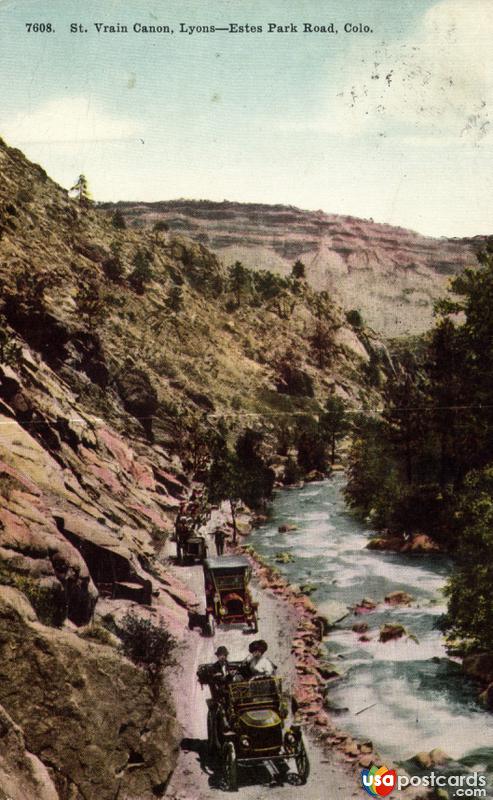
227, 593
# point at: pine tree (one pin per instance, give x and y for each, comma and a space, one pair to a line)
118, 220
82, 193
142, 270
239, 279
299, 271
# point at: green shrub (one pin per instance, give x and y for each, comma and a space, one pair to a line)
118, 220
354, 318
147, 645
142, 270
113, 266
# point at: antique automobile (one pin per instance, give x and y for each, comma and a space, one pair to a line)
246, 725
190, 547
227, 596
194, 549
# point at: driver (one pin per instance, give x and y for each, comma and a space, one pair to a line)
220, 669
257, 664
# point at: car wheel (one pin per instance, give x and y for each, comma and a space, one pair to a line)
211, 733
302, 763
230, 767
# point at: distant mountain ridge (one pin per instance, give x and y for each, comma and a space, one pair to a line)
391, 274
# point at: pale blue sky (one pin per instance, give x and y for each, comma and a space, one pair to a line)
391, 125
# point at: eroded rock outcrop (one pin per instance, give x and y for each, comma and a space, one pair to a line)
395, 273
86, 721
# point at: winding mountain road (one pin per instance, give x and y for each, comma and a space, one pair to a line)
197, 779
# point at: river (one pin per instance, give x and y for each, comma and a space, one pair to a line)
415, 696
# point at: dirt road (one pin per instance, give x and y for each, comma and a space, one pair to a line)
197, 779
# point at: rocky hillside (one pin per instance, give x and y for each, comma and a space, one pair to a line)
114, 346
392, 275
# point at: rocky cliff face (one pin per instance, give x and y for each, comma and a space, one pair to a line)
86, 722
114, 345
392, 275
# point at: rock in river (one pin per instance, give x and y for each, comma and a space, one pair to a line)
330, 612
391, 631
287, 528
399, 599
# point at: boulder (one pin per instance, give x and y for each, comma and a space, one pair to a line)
399, 599
423, 760
439, 757
333, 709
22, 775
308, 588
330, 612
365, 606
392, 543
243, 527
360, 627
314, 475
284, 558
347, 338
287, 527
435, 758
350, 748
391, 631
420, 543
328, 670
479, 666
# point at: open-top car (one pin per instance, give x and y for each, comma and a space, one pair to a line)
227, 594
246, 725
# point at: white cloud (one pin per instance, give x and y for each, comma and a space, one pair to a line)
436, 84
71, 120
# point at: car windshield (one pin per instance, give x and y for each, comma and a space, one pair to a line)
229, 581
258, 691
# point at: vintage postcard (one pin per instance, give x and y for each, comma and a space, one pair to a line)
246, 405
